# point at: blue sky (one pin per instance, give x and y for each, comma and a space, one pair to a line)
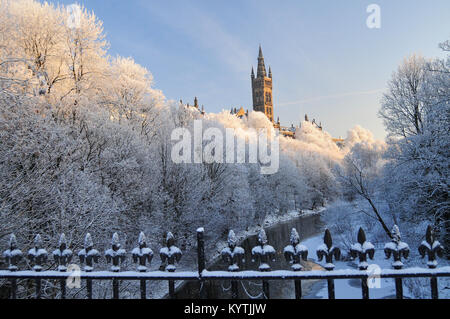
325, 61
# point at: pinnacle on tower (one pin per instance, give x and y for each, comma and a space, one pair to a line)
196, 102
270, 72
253, 73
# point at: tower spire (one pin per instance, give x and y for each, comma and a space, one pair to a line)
270, 72
260, 53
253, 73
261, 65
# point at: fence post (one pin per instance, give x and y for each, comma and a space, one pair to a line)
295, 253
397, 249
201, 261
363, 249
328, 251
13, 294
264, 253
89, 288
233, 255
62, 257
115, 255
12, 257
433, 248
39, 256
141, 255
88, 255
170, 255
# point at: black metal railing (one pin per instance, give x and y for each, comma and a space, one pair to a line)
233, 255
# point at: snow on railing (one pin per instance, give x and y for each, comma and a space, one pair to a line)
233, 255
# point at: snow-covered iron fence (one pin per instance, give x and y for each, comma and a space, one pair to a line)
233, 255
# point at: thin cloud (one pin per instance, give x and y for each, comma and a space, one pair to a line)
204, 31
334, 96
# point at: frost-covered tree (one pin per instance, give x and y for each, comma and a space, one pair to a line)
416, 174
86, 146
85, 50
360, 172
402, 109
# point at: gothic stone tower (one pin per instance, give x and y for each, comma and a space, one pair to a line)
262, 88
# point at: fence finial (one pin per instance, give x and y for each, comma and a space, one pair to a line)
170, 255
233, 254
142, 253
88, 254
12, 255
263, 252
62, 255
38, 255
396, 248
115, 254
328, 251
362, 249
295, 253
431, 247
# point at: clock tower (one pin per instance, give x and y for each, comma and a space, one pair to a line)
262, 88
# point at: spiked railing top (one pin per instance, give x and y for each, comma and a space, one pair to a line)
232, 239
62, 241
12, 255
396, 244
62, 255
396, 248
233, 254
88, 243
263, 251
262, 237
361, 236
328, 251
12, 242
170, 254
142, 240
115, 241
362, 250
115, 254
62, 250
88, 254
295, 252
396, 236
142, 253
363, 246
38, 241
37, 254
295, 238
170, 239
327, 239
142, 250
431, 247
37, 251
115, 249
